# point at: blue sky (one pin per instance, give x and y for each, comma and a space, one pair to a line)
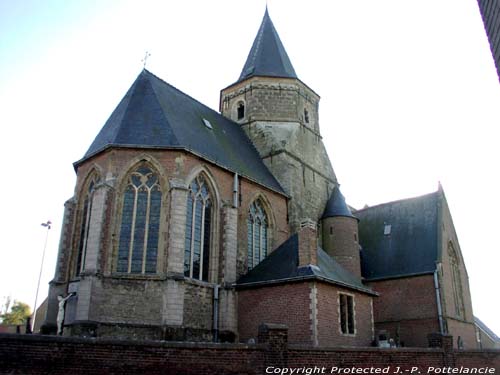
409, 94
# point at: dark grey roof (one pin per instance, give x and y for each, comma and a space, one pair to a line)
268, 56
336, 205
282, 266
410, 248
154, 114
486, 329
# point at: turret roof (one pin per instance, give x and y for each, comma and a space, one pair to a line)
336, 205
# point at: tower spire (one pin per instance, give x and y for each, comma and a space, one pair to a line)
267, 56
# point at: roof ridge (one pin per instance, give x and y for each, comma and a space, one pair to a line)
397, 201
183, 93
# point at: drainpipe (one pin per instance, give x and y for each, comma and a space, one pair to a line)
235, 191
438, 299
216, 314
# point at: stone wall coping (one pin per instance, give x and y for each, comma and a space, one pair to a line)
117, 342
299, 347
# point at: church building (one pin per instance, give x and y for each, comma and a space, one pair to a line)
192, 225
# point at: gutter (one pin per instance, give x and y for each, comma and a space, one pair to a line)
438, 301
304, 278
216, 314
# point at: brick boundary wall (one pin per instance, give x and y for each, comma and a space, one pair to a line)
39, 354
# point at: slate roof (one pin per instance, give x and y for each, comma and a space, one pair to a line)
154, 114
281, 266
336, 205
267, 57
410, 248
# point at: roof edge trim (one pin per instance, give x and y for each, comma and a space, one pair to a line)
303, 278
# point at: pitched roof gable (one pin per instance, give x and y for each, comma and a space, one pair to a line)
154, 114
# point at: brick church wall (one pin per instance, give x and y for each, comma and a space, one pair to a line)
329, 333
34, 354
280, 304
457, 324
411, 321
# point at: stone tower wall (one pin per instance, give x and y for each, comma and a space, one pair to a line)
281, 119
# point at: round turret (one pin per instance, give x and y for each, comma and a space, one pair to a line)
340, 233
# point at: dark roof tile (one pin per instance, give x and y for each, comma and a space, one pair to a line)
267, 57
409, 244
154, 114
281, 266
336, 205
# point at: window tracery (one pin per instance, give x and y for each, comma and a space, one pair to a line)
86, 212
257, 234
140, 223
198, 230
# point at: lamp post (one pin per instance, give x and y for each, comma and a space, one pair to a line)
46, 225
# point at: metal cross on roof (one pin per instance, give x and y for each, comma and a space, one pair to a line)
145, 59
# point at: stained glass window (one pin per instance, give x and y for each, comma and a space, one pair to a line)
257, 228
198, 229
139, 229
86, 211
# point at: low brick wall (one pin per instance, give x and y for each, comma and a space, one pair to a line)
37, 354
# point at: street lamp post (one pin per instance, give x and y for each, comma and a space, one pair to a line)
46, 225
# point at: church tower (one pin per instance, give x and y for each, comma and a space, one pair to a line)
279, 113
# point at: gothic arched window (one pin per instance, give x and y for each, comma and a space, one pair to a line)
257, 234
86, 211
140, 225
456, 281
198, 228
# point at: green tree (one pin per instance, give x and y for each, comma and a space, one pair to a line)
18, 313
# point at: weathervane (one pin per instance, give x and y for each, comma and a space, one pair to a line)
145, 59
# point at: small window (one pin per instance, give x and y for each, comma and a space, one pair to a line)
387, 229
355, 237
306, 116
331, 230
346, 303
240, 110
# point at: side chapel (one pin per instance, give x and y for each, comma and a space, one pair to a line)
189, 224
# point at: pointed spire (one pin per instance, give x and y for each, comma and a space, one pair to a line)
336, 205
267, 57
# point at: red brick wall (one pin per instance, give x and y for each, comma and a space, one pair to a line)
281, 304
179, 165
409, 303
33, 354
329, 333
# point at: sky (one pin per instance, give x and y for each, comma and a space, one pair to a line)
409, 98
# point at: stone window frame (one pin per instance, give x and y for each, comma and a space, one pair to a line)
353, 314
213, 267
122, 179
456, 281
83, 214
